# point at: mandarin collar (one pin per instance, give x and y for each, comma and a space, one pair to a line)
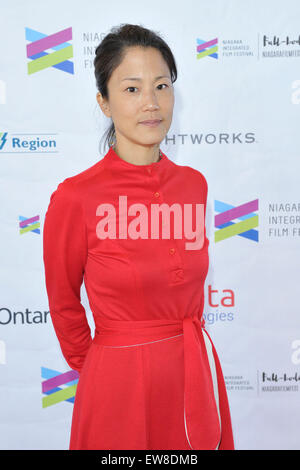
112, 158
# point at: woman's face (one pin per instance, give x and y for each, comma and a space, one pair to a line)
137, 94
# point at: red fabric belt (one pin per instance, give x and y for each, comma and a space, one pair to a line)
202, 419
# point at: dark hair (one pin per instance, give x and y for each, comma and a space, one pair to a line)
111, 51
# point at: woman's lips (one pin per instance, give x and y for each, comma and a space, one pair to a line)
151, 123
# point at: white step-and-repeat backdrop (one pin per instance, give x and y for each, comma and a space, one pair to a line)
236, 119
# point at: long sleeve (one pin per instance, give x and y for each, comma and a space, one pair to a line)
64, 255
205, 191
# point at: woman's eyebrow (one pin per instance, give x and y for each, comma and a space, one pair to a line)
136, 78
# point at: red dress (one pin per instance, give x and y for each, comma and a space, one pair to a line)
150, 378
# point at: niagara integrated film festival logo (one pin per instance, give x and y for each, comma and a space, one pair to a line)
29, 224
207, 48
244, 227
58, 58
51, 386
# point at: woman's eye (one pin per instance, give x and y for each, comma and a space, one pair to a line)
132, 87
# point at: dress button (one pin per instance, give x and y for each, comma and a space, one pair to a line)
156, 194
172, 251
149, 170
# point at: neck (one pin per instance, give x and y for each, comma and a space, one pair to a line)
143, 158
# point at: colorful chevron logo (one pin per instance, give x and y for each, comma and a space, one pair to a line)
58, 59
207, 48
51, 386
29, 224
245, 213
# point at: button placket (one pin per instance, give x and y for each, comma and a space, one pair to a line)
156, 196
176, 273
174, 256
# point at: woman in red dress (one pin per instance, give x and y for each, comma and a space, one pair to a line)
150, 377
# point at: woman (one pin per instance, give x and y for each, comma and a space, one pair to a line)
150, 378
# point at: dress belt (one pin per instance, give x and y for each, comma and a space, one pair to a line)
201, 413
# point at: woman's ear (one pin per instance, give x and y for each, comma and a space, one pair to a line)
103, 104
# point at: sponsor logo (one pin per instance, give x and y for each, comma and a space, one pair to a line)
31, 224
244, 227
52, 386
207, 48
40, 43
